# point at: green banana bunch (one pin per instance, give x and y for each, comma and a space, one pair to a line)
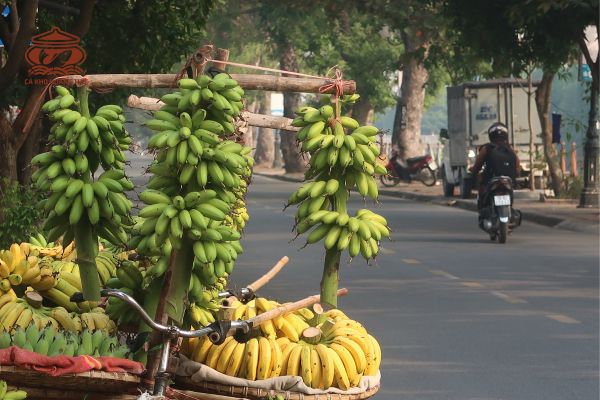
200, 177
77, 201
6, 394
343, 157
50, 342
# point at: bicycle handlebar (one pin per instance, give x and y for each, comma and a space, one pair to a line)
217, 331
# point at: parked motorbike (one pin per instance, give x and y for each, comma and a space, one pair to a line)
496, 215
417, 168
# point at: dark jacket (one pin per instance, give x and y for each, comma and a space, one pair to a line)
499, 159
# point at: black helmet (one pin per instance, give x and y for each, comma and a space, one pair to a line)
498, 131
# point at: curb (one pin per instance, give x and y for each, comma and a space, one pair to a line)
536, 218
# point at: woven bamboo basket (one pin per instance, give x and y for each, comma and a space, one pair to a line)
194, 389
90, 385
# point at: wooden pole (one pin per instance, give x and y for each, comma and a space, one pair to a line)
263, 280
574, 171
253, 119
246, 81
161, 317
288, 308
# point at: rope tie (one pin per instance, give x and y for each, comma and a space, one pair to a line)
335, 83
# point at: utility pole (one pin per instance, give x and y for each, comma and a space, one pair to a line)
591, 188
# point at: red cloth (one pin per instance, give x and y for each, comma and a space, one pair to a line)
63, 365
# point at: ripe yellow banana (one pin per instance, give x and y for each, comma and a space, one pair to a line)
306, 365
327, 366
225, 356
252, 353
264, 359
348, 361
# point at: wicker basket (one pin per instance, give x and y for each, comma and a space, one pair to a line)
91, 384
259, 394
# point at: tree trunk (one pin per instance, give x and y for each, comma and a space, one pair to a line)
542, 102
31, 147
289, 148
409, 108
8, 159
363, 112
265, 143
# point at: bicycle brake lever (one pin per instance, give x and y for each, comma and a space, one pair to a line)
222, 329
219, 331
243, 294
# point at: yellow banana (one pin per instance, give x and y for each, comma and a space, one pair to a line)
306, 365
252, 353
327, 367
225, 356
10, 318
4, 271
293, 363
289, 331
339, 371
201, 350
31, 275
348, 361
276, 358
264, 359
24, 318
315, 365
215, 353
377, 353
235, 360
358, 355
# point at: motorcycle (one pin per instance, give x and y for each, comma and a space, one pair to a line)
496, 216
417, 168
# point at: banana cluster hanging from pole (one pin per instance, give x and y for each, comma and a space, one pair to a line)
195, 197
80, 205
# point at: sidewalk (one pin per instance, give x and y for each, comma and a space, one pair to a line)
559, 214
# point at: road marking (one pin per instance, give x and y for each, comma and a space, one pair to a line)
507, 298
410, 261
563, 319
385, 250
472, 284
443, 273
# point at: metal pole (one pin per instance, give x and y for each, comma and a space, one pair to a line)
591, 188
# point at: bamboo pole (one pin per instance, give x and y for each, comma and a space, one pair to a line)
288, 308
253, 119
246, 81
263, 280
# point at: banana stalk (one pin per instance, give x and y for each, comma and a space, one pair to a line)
330, 279
86, 242
180, 281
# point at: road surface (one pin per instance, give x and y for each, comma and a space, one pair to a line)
458, 317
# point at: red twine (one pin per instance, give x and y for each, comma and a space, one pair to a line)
338, 84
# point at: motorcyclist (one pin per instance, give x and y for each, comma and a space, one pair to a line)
498, 157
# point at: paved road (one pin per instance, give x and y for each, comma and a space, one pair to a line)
458, 317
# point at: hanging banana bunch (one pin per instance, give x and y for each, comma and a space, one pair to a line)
343, 155
195, 197
81, 206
